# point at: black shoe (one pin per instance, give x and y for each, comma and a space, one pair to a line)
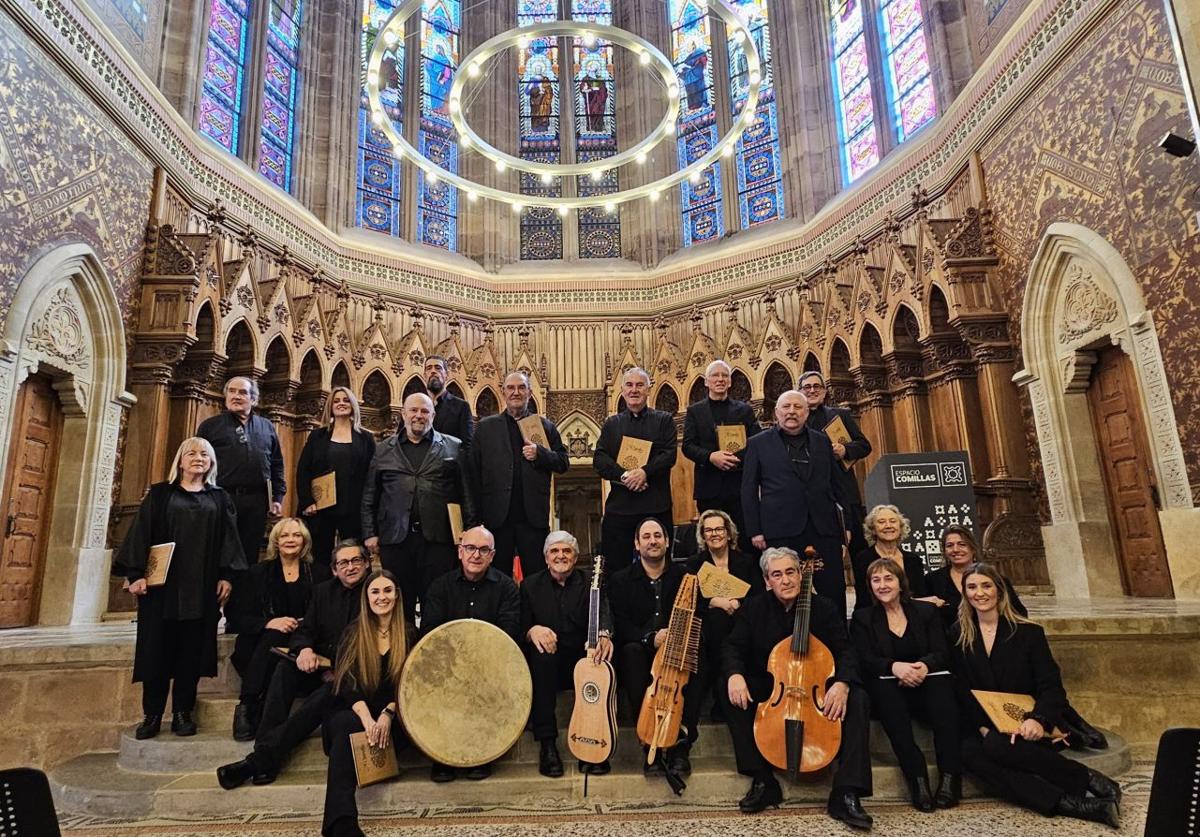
1085, 808
652, 768
264, 777
919, 793
442, 773
679, 759
1083, 732
1102, 787
182, 724
148, 728
245, 724
481, 771
549, 762
844, 805
602, 768
235, 774
949, 790
763, 793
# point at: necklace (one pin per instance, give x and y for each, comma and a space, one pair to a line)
383, 633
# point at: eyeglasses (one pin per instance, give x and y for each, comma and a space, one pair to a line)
472, 549
346, 563
812, 387
712, 530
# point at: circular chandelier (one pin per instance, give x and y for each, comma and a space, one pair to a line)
471, 68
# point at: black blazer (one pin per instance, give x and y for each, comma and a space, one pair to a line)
1020, 662
914, 570
490, 471
777, 500
314, 462
262, 594
939, 583
700, 442
859, 446
392, 481
873, 640
540, 605
452, 417
332, 607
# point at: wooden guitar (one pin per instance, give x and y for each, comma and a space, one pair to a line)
592, 733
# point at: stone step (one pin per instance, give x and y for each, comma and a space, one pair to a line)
99, 784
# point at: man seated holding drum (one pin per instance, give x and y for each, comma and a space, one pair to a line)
554, 624
473, 590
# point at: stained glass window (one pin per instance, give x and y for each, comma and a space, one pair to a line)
760, 190
280, 70
691, 51
437, 201
223, 85
853, 93
540, 137
595, 130
377, 206
906, 66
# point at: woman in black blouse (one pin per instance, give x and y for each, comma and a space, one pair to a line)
365, 680
885, 528
273, 600
343, 447
996, 649
902, 648
177, 621
944, 586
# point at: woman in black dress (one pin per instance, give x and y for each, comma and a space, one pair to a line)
343, 447
177, 621
273, 600
902, 648
885, 528
365, 681
996, 649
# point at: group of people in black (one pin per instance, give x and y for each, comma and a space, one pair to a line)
325, 620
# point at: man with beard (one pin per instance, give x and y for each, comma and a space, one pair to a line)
452, 415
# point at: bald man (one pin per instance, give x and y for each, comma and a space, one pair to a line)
412, 478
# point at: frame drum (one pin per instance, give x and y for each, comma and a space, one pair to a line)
465, 693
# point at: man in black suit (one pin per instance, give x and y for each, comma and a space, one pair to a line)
718, 482
788, 493
759, 625
638, 492
409, 482
511, 478
844, 481
453, 415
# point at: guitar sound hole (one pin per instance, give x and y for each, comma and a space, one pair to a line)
591, 692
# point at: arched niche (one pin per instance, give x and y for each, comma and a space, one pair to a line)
811, 363
698, 392
839, 382
776, 381
454, 389
486, 403
739, 386
414, 385
376, 402
667, 399
240, 351
1080, 298
64, 323
340, 376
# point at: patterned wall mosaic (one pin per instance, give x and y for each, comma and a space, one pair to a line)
1084, 149
137, 24
67, 173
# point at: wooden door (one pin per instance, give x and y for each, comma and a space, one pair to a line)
1128, 475
28, 488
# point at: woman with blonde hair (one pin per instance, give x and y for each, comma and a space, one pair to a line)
194, 520
885, 527
340, 446
996, 649
366, 678
270, 604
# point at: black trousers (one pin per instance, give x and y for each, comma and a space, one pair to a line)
416, 563
273, 746
707, 680
327, 527
341, 806
853, 760
618, 532
935, 703
633, 677
179, 649
251, 523
551, 673
524, 539
732, 506
287, 684
261, 663
830, 580
1030, 773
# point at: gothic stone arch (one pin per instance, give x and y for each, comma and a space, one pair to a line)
1082, 296
65, 322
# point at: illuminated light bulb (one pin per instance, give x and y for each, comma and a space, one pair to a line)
727, 151
695, 178
641, 157
377, 117
644, 58
755, 77
389, 38
547, 177
654, 195
673, 90
473, 196
523, 41
564, 211
610, 207
670, 129
518, 207
589, 39
372, 78
431, 177
464, 141
474, 70
739, 36
455, 105
598, 175
501, 165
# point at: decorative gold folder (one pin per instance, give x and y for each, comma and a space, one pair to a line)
324, 491
837, 432
158, 562
731, 437
533, 431
454, 511
1007, 710
372, 764
634, 453
715, 582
